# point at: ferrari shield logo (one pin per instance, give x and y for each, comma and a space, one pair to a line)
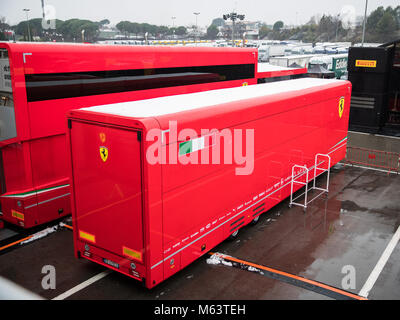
104, 153
341, 106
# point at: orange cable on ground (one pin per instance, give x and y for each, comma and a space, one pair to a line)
285, 274
14, 243
27, 238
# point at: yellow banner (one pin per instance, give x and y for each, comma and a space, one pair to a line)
366, 63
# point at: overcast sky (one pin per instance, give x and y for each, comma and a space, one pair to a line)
160, 12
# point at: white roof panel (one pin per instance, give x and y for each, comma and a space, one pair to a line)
267, 67
185, 102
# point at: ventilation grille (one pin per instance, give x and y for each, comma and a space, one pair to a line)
362, 102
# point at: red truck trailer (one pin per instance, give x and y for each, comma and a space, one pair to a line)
40, 82
148, 195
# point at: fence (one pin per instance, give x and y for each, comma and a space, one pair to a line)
389, 161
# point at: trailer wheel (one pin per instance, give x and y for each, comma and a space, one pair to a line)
234, 235
255, 220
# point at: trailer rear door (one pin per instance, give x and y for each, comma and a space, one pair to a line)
108, 188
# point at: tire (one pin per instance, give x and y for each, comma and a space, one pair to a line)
234, 235
255, 220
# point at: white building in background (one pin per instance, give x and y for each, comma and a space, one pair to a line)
250, 27
191, 31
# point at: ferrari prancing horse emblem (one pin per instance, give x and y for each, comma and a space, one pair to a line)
341, 106
104, 153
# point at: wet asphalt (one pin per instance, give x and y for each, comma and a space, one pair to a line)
350, 228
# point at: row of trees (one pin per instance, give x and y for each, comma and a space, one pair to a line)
327, 28
128, 27
383, 24
71, 30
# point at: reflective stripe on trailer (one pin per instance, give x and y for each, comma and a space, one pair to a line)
31, 193
48, 200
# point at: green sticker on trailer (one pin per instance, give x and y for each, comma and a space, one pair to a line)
185, 147
195, 144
